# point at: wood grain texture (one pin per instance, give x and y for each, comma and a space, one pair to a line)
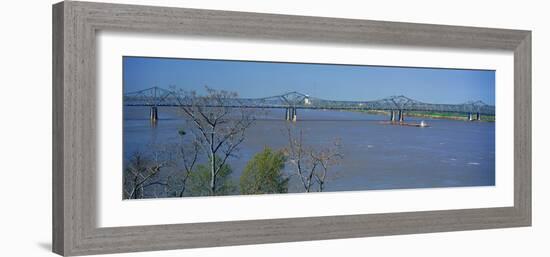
522, 128
58, 229
74, 124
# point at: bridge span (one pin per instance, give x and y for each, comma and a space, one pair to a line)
395, 106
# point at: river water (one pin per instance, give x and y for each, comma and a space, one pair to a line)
448, 153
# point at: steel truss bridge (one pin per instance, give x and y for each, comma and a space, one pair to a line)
396, 106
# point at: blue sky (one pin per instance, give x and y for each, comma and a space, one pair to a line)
327, 81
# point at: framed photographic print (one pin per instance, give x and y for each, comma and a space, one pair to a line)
181, 128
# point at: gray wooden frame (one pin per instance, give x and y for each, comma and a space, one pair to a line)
74, 128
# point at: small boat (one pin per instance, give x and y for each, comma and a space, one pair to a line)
423, 124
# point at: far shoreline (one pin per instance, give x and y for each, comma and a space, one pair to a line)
433, 115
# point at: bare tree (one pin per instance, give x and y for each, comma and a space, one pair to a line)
310, 165
140, 173
298, 156
326, 158
220, 127
187, 154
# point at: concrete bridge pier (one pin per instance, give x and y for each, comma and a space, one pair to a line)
478, 116
287, 114
392, 116
470, 116
154, 114
401, 116
291, 114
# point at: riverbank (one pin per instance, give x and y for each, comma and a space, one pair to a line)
435, 115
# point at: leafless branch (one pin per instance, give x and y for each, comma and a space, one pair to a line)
311, 165
220, 127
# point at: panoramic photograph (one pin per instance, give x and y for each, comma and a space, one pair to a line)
202, 128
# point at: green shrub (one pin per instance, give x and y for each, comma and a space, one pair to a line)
198, 183
263, 173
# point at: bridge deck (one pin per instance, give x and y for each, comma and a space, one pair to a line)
162, 97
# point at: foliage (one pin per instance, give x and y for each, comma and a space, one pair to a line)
198, 183
262, 174
448, 115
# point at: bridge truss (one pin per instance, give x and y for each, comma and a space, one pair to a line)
156, 96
